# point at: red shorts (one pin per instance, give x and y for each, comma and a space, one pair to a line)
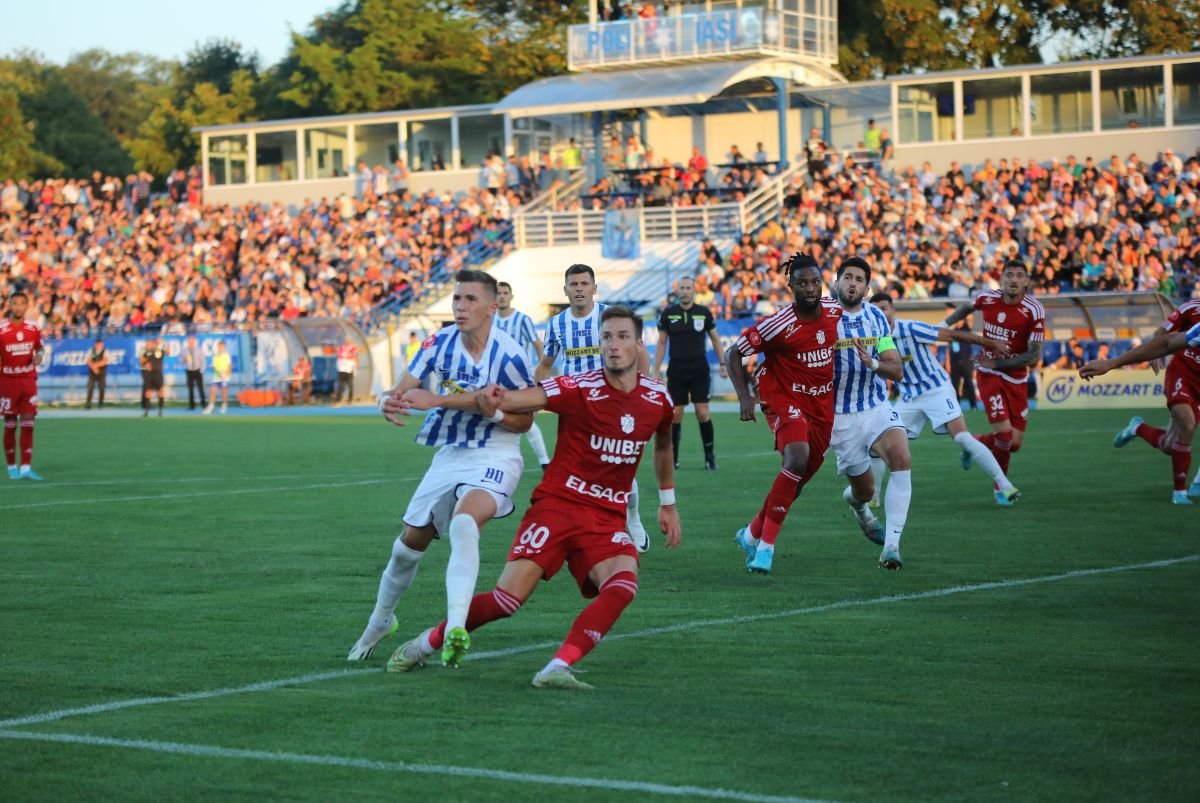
18, 395
555, 531
795, 427
1181, 385
1004, 400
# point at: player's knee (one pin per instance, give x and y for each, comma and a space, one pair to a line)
900, 460
621, 584
677, 415
795, 460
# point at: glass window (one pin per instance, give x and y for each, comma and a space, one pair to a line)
376, 144
1186, 78
1131, 98
992, 108
1061, 103
227, 159
926, 113
428, 144
275, 156
325, 151
479, 136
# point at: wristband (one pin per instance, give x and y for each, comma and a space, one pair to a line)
666, 496
496, 417
382, 398
874, 364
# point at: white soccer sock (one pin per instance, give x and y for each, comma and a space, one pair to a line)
397, 577
555, 663
895, 506
631, 507
538, 444
984, 457
852, 501
462, 570
877, 469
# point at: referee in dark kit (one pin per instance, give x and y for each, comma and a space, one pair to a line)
686, 326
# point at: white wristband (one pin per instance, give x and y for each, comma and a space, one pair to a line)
497, 417
666, 496
382, 398
874, 364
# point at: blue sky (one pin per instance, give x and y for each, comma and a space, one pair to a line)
164, 28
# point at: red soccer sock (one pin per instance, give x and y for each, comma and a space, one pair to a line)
1181, 463
1002, 449
594, 621
26, 443
1151, 435
783, 492
988, 440
10, 441
486, 607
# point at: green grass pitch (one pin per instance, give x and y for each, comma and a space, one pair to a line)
166, 557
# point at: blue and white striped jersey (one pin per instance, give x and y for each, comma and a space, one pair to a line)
1193, 336
444, 357
519, 327
922, 371
856, 388
577, 339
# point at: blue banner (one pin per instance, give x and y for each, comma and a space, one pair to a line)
68, 357
622, 238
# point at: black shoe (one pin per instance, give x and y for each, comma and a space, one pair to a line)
544, 467
676, 465
145, 413
710, 463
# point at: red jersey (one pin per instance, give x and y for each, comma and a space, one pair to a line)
601, 434
18, 346
798, 367
1016, 325
1185, 316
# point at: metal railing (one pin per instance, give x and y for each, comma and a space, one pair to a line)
651, 285
767, 201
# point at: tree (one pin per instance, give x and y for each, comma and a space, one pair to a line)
119, 88
18, 157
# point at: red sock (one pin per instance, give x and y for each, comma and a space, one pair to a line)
10, 441
783, 492
1001, 447
1181, 463
594, 621
988, 440
1151, 435
486, 607
26, 443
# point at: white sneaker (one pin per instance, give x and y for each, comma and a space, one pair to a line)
366, 643
638, 534
208, 410
224, 409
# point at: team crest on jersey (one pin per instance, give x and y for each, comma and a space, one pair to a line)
429, 341
754, 337
698, 324
1000, 318
20, 335
820, 338
566, 382
595, 394
627, 423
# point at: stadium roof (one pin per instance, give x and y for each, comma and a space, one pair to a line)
652, 87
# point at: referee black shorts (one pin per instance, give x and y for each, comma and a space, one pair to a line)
152, 380
689, 382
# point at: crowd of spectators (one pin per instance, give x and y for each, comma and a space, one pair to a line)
104, 253
1118, 224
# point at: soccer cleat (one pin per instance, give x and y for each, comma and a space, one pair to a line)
874, 504
13, 473
762, 562
224, 409
1180, 498
639, 536
870, 525
457, 642
964, 460
890, 559
365, 646
740, 538
710, 463
1195, 489
208, 410
1129, 433
559, 678
408, 656
1006, 497
30, 474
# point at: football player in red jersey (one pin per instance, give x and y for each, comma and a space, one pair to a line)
1016, 319
795, 385
1181, 386
606, 416
20, 352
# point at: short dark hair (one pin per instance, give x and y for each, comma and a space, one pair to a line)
855, 262
799, 261
1015, 264
20, 293
505, 285
579, 267
618, 311
477, 276
881, 296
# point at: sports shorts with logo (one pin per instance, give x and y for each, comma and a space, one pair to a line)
791, 426
1003, 400
456, 470
18, 395
555, 531
855, 433
1180, 385
938, 406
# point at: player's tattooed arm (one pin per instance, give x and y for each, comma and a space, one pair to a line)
664, 472
1152, 349
961, 336
960, 314
741, 383
1025, 359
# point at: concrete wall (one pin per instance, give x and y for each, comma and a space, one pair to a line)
297, 192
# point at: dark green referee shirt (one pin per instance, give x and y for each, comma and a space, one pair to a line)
687, 330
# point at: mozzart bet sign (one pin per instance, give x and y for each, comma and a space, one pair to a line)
1062, 389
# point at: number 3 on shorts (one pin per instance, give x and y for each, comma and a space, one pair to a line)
535, 536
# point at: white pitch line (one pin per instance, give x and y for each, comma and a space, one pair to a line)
181, 480
269, 685
234, 492
441, 770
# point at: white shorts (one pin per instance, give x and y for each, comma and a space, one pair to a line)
855, 433
456, 470
938, 406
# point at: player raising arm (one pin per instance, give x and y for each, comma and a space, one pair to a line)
606, 416
1152, 349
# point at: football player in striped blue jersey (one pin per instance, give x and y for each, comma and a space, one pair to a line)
574, 334
864, 424
478, 463
520, 327
926, 393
